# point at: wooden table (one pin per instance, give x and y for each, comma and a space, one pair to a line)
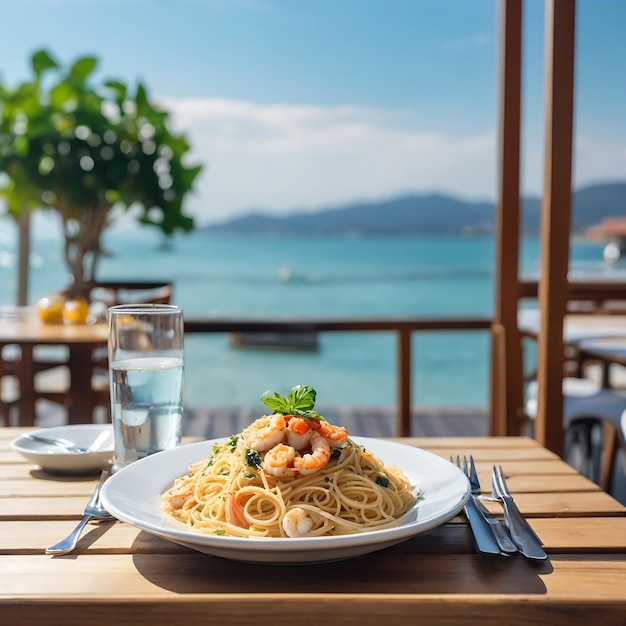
27, 331
120, 575
605, 352
577, 327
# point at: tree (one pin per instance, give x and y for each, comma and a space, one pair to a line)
85, 150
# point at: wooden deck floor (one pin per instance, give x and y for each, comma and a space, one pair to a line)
214, 422
360, 421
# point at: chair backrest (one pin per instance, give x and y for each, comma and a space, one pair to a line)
128, 292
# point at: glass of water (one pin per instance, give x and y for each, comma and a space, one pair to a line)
146, 375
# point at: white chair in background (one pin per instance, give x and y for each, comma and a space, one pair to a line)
587, 405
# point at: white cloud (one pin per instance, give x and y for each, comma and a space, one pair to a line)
281, 158
470, 42
597, 159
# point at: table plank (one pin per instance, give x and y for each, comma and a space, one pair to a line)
567, 534
523, 482
270, 610
396, 573
513, 587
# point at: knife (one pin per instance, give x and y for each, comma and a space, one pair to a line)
501, 535
483, 537
521, 532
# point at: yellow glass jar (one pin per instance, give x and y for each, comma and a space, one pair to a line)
75, 311
50, 309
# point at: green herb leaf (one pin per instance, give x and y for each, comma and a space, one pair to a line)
253, 458
383, 481
275, 401
219, 532
300, 401
302, 398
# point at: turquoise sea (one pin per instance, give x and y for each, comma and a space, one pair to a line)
333, 277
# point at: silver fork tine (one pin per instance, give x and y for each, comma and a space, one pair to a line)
522, 533
495, 484
482, 529
507, 492
471, 473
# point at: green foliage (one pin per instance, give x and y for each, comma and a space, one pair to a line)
81, 149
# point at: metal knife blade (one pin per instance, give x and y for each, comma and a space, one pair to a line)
500, 533
521, 533
483, 537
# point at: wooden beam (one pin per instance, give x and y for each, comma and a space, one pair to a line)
404, 382
507, 409
556, 218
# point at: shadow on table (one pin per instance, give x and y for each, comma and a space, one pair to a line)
413, 567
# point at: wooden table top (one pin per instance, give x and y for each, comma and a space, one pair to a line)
27, 328
120, 575
576, 327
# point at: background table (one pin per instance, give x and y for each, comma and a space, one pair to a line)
120, 575
576, 327
27, 331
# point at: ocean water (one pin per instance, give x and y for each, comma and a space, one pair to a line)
333, 277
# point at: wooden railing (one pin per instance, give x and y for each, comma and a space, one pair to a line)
402, 327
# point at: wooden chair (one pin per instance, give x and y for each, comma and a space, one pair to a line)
8, 398
109, 293
592, 416
134, 292
122, 292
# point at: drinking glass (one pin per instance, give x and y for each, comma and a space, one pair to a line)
145, 343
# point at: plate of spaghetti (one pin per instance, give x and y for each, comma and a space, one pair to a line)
289, 488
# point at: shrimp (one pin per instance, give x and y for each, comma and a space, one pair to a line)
234, 511
298, 432
297, 523
194, 467
279, 461
178, 494
317, 459
337, 436
265, 433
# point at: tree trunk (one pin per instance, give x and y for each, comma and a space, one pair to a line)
23, 225
82, 247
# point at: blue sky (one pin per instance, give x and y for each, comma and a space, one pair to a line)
303, 104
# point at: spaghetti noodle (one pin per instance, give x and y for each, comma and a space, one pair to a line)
258, 485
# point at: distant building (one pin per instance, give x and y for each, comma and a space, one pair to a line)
613, 231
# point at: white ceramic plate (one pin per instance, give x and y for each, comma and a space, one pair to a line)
97, 437
132, 495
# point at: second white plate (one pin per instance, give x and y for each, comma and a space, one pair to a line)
97, 437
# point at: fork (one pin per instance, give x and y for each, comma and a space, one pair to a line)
499, 532
523, 535
483, 537
93, 509
66, 444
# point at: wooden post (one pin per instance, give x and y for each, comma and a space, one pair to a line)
23, 226
404, 382
507, 406
555, 220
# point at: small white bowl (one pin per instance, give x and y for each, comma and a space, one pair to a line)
97, 437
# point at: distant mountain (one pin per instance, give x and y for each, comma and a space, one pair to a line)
432, 214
